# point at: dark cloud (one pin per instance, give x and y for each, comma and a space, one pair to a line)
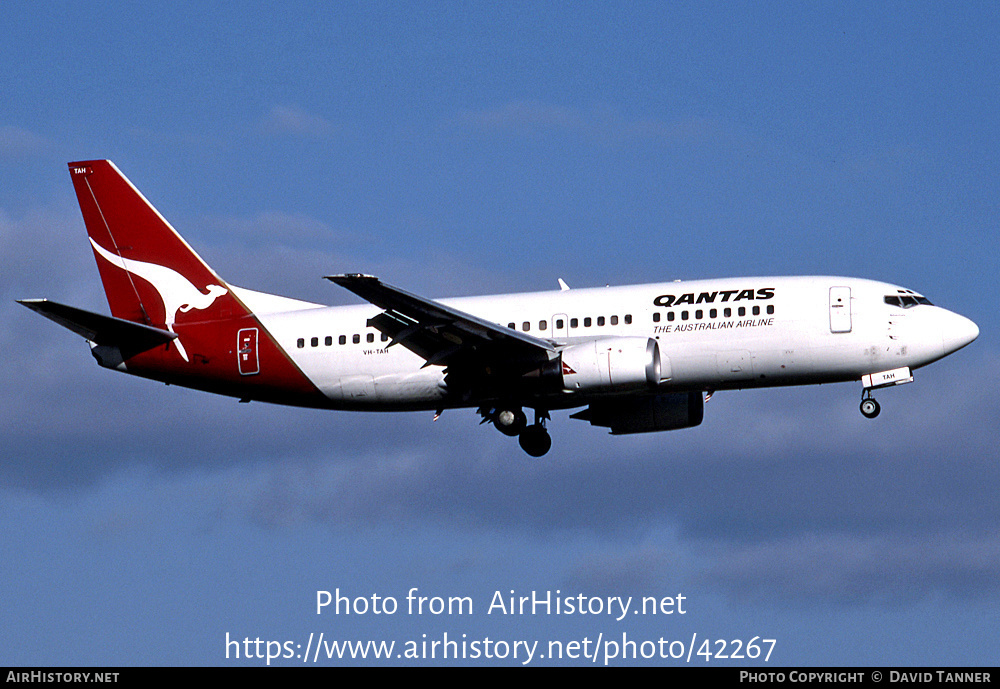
780, 494
764, 465
838, 568
638, 569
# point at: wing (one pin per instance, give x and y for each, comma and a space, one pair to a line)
443, 335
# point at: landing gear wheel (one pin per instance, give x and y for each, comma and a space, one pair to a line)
510, 421
870, 408
535, 440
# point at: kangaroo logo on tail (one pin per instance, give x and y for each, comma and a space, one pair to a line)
177, 293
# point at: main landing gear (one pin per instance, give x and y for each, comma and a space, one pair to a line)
512, 421
535, 440
869, 407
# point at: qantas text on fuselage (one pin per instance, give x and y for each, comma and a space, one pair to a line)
633, 359
722, 296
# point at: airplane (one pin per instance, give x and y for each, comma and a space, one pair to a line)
638, 359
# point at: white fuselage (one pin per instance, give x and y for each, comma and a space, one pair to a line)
639, 358
712, 334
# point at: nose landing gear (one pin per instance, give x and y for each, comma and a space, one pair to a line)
869, 407
883, 379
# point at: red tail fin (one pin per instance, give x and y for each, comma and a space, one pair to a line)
152, 276
150, 273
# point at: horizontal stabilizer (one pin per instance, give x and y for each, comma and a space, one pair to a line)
102, 330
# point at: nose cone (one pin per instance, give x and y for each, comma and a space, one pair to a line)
957, 332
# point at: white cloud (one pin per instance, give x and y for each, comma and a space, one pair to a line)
532, 118
17, 142
296, 121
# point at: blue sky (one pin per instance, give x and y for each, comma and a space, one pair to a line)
471, 148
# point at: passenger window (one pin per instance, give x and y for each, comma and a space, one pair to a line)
698, 314
770, 309
560, 324
712, 313
328, 340
727, 312
756, 310
301, 343
600, 320
628, 319
574, 323
614, 320
342, 339
586, 322
742, 311
684, 315
543, 325
371, 337
656, 316
512, 326
526, 326
670, 315
385, 338
356, 339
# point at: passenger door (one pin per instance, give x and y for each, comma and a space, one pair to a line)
840, 309
246, 352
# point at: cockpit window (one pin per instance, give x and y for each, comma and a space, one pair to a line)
906, 301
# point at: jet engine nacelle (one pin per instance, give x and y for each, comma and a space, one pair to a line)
666, 412
614, 363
